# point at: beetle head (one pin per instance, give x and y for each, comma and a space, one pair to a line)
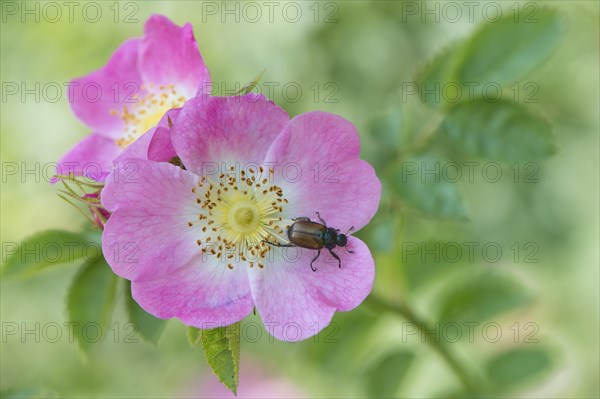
341, 240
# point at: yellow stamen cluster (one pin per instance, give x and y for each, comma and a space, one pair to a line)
238, 213
147, 111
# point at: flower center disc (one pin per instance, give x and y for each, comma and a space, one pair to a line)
244, 217
238, 214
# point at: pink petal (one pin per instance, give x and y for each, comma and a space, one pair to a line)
139, 148
91, 157
211, 131
290, 309
155, 144
161, 147
94, 96
203, 295
296, 303
148, 236
343, 287
169, 55
317, 165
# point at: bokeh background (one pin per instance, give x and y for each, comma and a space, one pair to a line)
361, 60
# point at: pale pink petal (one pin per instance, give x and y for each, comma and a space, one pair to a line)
343, 287
212, 131
94, 97
296, 303
290, 309
91, 157
200, 294
169, 55
147, 235
317, 165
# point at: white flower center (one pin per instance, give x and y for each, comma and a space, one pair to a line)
146, 112
239, 213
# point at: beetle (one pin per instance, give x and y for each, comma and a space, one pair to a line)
305, 233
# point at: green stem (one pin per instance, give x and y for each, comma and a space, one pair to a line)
407, 313
73, 179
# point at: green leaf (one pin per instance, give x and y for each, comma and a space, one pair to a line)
222, 350
518, 366
386, 137
149, 327
505, 50
384, 234
90, 302
439, 75
385, 378
499, 53
426, 261
49, 248
194, 336
387, 130
422, 186
499, 131
480, 297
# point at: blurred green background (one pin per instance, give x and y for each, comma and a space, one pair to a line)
366, 57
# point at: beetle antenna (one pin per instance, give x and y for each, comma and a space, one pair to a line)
350, 230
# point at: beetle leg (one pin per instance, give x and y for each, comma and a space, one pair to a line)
349, 250
321, 219
313, 261
337, 257
276, 244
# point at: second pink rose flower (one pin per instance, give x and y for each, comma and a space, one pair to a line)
144, 78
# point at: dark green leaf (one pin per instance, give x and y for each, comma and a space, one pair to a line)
481, 297
194, 336
499, 131
385, 378
90, 302
49, 248
222, 350
503, 51
421, 185
518, 366
149, 327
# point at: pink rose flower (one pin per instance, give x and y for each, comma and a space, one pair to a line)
200, 233
143, 79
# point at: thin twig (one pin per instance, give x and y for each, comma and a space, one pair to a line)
407, 313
